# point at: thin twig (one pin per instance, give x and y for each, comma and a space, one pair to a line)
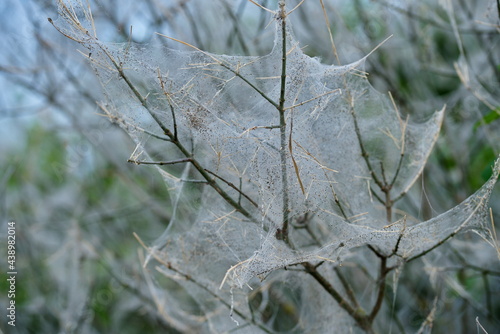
169, 100
234, 187
159, 163
295, 166
347, 287
327, 21
381, 288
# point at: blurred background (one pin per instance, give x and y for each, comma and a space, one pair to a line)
66, 183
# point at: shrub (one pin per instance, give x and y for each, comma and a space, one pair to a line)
283, 169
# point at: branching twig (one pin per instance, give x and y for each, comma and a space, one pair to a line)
175, 140
193, 280
364, 153
449, 236
357, 314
